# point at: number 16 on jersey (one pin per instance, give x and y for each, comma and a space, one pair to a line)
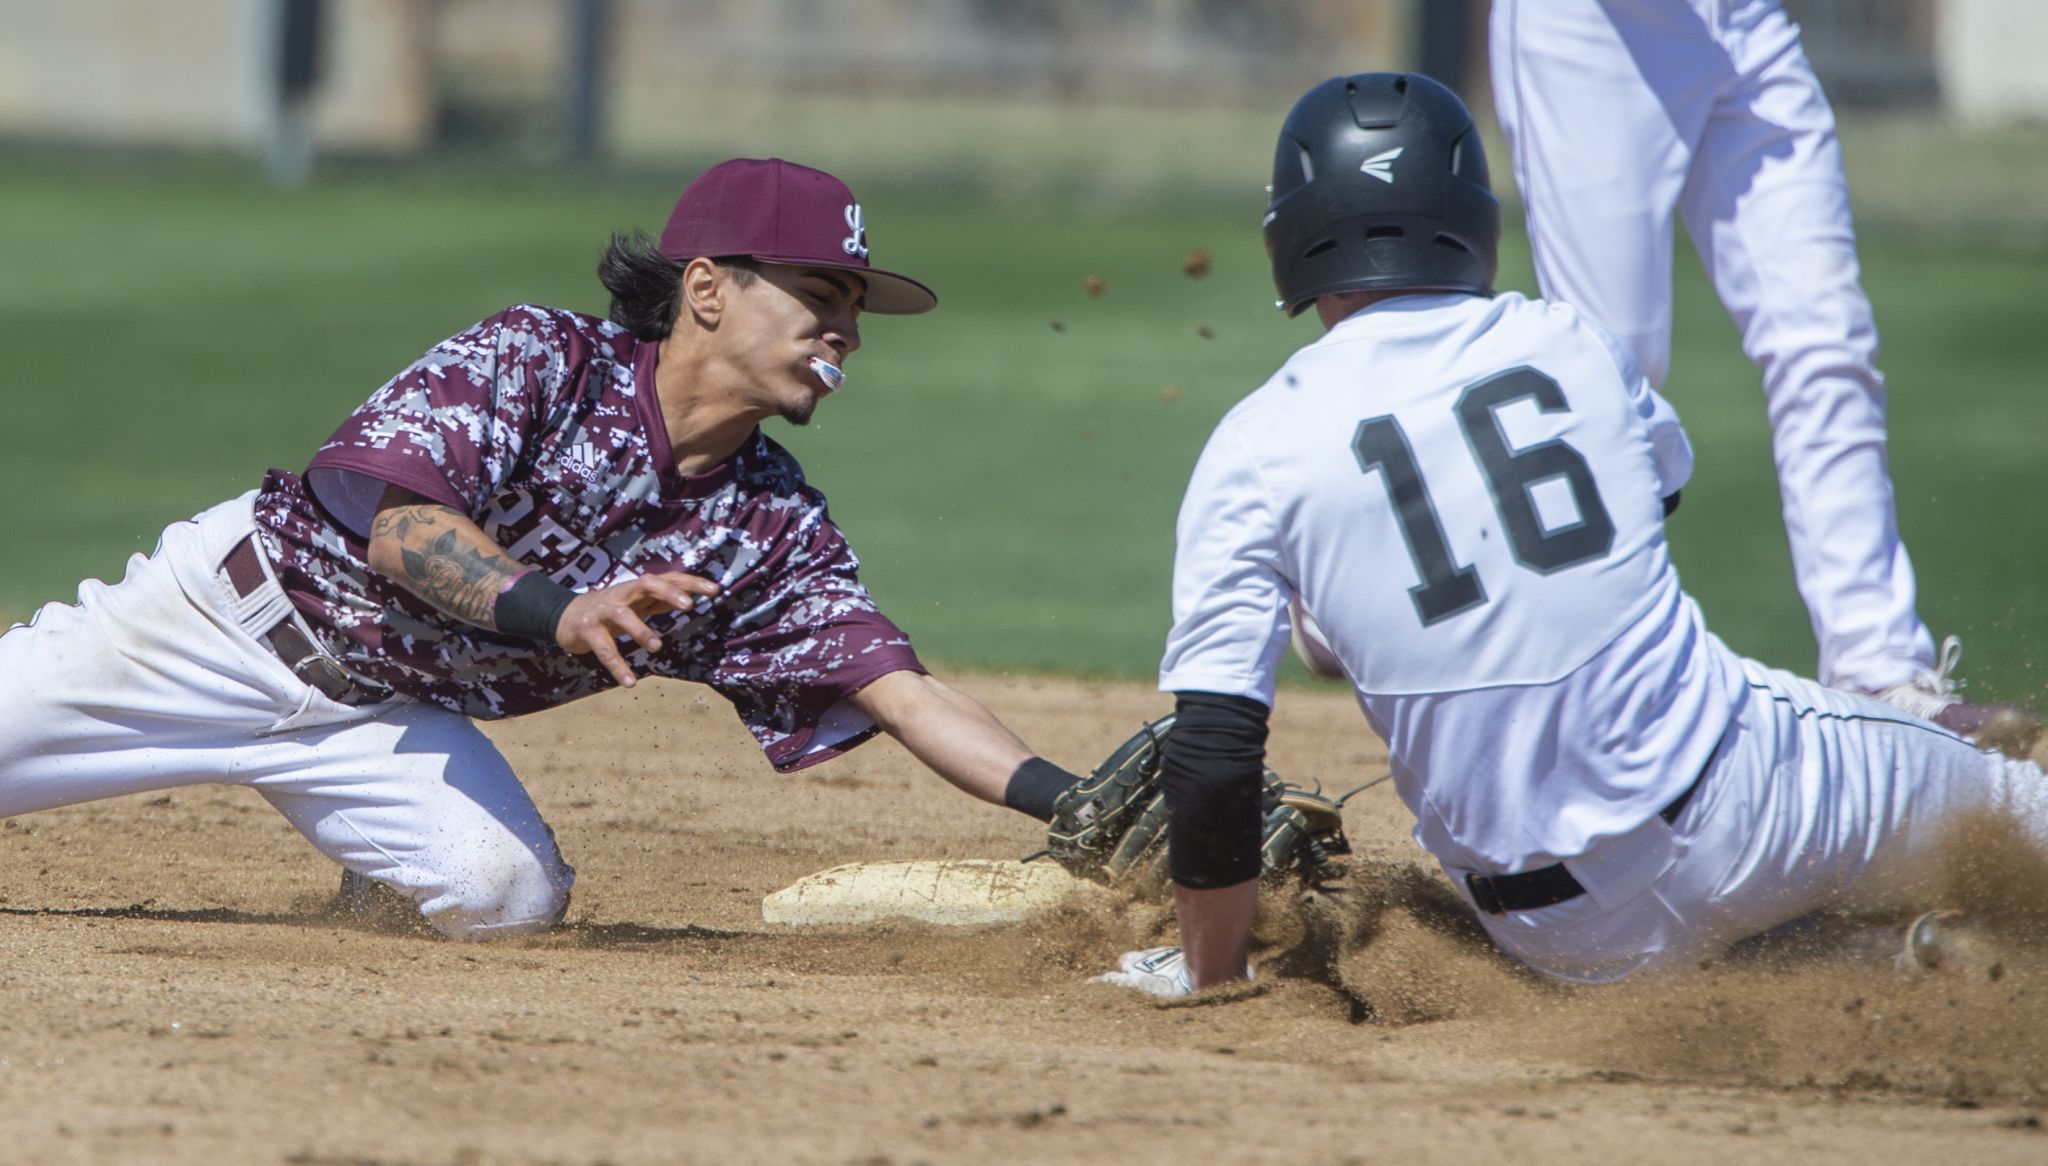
1511, 475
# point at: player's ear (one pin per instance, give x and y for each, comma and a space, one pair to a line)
703, 293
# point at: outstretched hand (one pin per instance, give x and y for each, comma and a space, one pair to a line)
595, 621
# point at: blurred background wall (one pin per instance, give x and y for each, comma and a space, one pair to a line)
206, 72
632, 78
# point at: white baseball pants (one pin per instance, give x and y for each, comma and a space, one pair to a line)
1617, 112
157, 682
1817, 800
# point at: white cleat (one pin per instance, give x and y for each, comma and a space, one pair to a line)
1935, 696
1160, 971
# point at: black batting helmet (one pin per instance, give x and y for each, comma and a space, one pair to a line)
1379, 184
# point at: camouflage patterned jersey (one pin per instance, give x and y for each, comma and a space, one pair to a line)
542, 426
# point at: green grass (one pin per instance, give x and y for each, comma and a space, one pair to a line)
1009, 484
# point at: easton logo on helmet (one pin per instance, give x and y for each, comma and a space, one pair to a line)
1381, 166
857, 242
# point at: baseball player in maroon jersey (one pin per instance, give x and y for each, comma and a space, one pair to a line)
542, 507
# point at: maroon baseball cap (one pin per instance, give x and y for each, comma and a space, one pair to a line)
779, 212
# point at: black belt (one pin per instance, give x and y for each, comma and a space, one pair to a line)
307, 660
1550, 885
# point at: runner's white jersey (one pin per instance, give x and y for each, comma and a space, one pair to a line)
1467, 494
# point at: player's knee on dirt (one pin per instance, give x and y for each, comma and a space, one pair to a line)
508, 891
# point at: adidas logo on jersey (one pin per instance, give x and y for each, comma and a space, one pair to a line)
1381, 165
584, 456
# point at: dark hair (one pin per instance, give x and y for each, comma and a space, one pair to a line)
647, 286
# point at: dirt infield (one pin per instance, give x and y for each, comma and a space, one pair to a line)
174, 988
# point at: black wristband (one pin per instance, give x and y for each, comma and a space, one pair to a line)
531, 607
1035, 786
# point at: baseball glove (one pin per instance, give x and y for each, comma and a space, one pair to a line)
1090, 820
1113, 825
1302, 835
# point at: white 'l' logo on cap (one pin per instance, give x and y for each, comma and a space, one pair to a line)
1381, 166
857, 242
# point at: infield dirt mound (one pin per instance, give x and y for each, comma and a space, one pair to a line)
173, 988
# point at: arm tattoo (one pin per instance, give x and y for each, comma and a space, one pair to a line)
447, 563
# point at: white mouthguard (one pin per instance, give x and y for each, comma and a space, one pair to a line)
830, 374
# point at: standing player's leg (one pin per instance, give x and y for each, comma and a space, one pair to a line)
1601, 156
1768, 208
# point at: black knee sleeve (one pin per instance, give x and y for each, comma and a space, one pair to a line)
1212, 770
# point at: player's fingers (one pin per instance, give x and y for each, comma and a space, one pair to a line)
626, 622
607, 653
695, 583
680, 591
673, 592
